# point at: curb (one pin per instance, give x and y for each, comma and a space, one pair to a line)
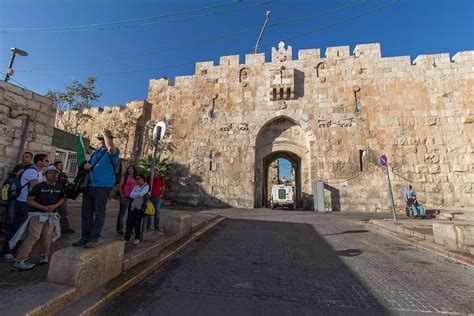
460, 258
113, 293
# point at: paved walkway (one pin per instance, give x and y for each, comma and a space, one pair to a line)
11, 279
263, 262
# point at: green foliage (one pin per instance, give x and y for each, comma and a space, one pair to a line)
77, 98
163, 166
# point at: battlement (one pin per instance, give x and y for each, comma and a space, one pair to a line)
432, 59
370, 52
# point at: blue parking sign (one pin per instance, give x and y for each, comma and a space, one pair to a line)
383, 160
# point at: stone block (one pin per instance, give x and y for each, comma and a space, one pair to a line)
367, 51
178, 225
229, 60
86, 269
445, 234
309, 54
254, 59
338, 52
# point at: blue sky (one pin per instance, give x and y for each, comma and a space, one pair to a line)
408, 27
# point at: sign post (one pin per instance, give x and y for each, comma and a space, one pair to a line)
384, 163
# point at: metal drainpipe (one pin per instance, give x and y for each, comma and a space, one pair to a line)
24, 136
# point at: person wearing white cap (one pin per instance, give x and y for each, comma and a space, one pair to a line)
43, 220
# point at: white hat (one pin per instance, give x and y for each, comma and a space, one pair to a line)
50, 168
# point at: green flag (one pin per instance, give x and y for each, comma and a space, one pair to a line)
81, 151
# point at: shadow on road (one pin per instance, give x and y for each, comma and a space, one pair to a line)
254, 267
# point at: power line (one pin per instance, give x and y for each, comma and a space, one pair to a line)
105, 26
238, 52
11, 79
149, 51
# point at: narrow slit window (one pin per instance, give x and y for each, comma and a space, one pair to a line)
361, 160
281, 94
288, 93
274, 94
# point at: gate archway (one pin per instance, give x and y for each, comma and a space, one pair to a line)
281, 137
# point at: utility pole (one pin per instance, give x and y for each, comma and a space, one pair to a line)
262, 31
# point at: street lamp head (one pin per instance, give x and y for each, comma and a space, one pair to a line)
19, 51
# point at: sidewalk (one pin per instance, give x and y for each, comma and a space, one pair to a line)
12, 280
419, 232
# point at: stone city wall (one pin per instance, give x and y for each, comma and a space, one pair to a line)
332, 116
227, 119
23, 102
128, 124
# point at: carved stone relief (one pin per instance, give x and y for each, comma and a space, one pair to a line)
348, 122
243, 76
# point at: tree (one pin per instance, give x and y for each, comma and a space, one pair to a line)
163, 166
74, 102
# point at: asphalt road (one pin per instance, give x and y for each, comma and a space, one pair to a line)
262, 262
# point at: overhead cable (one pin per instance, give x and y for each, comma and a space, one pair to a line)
149, 51
136, 22
354, 17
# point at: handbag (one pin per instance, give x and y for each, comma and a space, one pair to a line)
149, 209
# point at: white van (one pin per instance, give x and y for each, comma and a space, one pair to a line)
282, 195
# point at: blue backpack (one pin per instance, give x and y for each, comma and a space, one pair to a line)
15, 188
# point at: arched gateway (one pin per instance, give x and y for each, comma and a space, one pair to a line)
281, 137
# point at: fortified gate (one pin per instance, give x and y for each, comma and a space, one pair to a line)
331, 117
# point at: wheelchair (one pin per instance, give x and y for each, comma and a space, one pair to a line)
414, 210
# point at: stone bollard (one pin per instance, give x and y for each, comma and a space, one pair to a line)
178, 225
86, 269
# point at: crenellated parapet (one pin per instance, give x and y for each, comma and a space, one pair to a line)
368, 54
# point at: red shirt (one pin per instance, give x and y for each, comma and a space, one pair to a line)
157, 184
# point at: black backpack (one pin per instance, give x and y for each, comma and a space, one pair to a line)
80, 183
15, 187
117, 169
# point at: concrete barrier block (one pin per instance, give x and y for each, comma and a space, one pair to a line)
445, 234
86, 269
178, 225
465, 234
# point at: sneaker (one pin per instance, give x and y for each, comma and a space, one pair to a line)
136, 241
43, 259
68, 231
157, 228
80, 243
23, 265
7, 258
91, 244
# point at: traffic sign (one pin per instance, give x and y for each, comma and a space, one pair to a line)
383, 160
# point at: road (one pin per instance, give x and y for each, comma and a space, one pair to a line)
263, 262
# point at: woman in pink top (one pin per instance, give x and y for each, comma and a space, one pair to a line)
126, 185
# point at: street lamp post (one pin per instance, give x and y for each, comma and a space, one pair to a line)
15, 51
158, 133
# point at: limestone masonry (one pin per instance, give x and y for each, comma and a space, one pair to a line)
331, 116
16, 104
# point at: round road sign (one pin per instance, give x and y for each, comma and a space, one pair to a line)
383, 160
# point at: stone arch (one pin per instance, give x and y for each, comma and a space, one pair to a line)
282, 136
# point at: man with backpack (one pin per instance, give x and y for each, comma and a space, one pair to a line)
26, 161
5, 202
103, 168
24, 182
63, 210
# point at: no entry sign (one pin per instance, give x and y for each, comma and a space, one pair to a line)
383, 160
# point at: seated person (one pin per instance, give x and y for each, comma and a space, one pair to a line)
412, 203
